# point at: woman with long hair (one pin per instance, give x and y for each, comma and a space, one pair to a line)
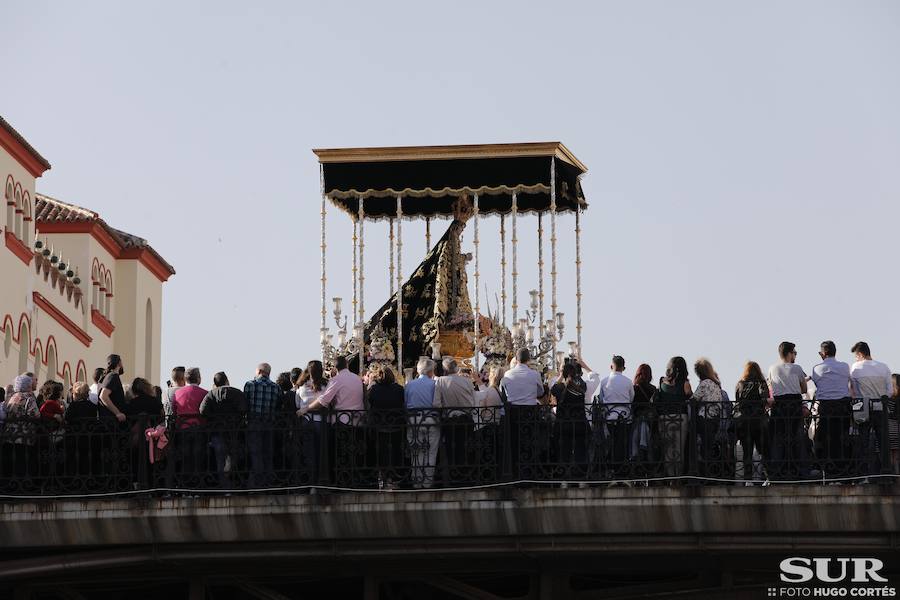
708, 403
571, 426
487, 424
310, 385
384, 400
671, 406
642, 414
751, 395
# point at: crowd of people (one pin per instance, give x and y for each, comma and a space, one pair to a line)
450, 426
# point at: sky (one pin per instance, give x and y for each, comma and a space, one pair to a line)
744, 158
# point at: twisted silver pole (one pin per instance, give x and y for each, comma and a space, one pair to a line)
362, 279
355, 273
578, 275
477, 280
503, 267
391, 262
515, 272
322, 248
540, 236
553, 244
427, 235
399, 284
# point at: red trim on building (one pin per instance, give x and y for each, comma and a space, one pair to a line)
143, 255
58, 316
101, 322
18, 248
22, 154
149, 260
95, 229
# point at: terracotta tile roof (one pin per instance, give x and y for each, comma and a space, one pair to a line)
51, 210
18, 137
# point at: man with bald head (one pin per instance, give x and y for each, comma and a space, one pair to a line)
263, 399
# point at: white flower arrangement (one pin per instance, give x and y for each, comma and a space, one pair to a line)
381, 349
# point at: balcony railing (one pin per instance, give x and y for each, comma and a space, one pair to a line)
449, 448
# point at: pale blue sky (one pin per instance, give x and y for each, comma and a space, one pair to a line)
744, 157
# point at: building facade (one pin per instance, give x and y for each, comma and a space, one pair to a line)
73, 289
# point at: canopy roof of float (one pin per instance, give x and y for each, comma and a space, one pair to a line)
430, 178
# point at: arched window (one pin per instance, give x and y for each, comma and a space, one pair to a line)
18, 226
10, 204
67, 378
24, 345
38, 359
148, 340
7, 339
80, 372
26, 221
52, 367
109, 296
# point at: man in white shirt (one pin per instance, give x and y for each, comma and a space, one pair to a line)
787, 380
870, 382
522, 386
614, 397
832, 379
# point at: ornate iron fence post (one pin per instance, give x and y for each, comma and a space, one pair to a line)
692, 439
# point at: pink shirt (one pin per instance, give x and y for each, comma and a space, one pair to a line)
186, 406
344, 392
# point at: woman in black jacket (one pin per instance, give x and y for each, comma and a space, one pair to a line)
385, 404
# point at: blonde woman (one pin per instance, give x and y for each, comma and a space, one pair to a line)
489, 405
708, 400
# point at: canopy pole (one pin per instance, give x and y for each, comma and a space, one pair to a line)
391, 263
540, 234
578, 275
399, 282
515, 272
355, 273
427, 235
362, 279
553, 246
503, 267
477, 279
322, 249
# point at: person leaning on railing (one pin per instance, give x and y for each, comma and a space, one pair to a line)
21, 409
672, 410
751, 397
644, 417
571, 429
385, 414
522, 386
872, 385
423, 432
613, 399
489, 401
454, 397
224, 407
788, 383
832, 379
708, 401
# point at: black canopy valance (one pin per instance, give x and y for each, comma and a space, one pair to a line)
430, 178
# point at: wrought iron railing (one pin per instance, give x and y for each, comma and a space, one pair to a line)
446, 448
